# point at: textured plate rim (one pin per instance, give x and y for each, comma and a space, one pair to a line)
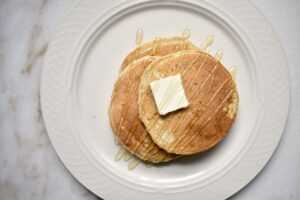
87, 40
52, 97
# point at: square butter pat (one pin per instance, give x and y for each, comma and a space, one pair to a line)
169, 94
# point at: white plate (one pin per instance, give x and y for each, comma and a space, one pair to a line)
82, 64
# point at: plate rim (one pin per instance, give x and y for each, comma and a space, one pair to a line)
50, 55
87, 39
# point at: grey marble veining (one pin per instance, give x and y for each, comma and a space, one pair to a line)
29, 166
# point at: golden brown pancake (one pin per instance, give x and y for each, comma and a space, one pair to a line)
212, 97
124, 118
158, 47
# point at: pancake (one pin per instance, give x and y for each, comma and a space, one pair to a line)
124, 118
212, 97
158, 47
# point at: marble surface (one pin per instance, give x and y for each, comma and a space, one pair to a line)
29, 166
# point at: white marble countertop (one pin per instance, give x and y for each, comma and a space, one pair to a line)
29, 166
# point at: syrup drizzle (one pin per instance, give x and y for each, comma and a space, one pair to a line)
219, 55
120, 153
207, 43
233, 71
139, 36
186, 33
205, 46
127, 156
133, 163
123, 153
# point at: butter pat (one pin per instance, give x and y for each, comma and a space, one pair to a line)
169, 94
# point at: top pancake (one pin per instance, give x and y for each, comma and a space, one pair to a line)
124, 118
212, 97
158, 47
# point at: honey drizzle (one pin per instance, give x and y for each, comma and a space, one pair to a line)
133, 163
138, 145
219, 56
139, 36
147, 103
138, 41
116, 140
120, 153
233, 71
186, 33
127, 156
154, 121
203, 125
210, 84
184, 71
207, 43
123, 153
126, 110
198, 72
193, 97
191, 123
153, 50
133, 127
149, 165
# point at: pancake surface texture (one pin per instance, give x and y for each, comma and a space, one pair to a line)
212, 97
158, 47
124, 118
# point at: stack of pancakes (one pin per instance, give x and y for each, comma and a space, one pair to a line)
209, 87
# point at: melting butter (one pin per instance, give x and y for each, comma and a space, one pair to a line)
139, 36
186, 33
169, 94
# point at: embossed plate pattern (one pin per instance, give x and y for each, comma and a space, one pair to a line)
82, 63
